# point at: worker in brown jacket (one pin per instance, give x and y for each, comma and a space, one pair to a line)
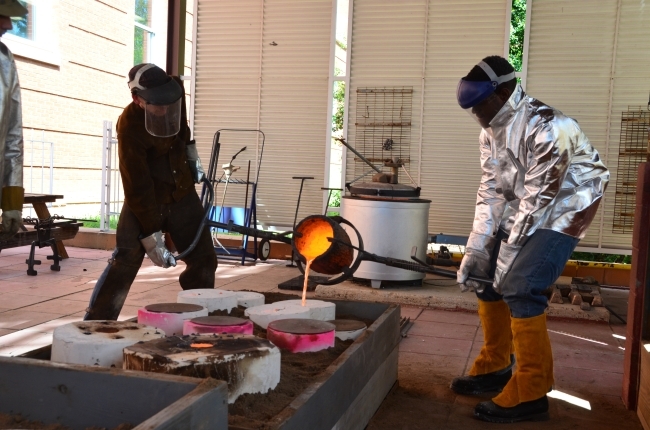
159, 166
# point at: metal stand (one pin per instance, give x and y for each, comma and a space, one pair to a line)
295, 217
44, 238
250, 207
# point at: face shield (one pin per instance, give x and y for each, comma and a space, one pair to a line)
478, 98
163, 120
163, 105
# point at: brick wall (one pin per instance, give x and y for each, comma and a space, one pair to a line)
69, 102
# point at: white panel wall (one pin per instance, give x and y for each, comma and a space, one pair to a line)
264, 64
459, 36
588, 59
436, 42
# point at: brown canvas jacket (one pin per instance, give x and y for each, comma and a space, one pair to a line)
154, 170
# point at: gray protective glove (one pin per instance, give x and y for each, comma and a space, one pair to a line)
12, 221
194, 162
157, 251
507, 255
476, 261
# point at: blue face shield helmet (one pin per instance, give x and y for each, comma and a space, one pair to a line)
471, 93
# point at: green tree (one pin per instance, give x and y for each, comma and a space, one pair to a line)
20, 24
142, 17
339, 96
339, 106
517, 28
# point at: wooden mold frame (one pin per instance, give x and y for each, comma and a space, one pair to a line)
82, 396
345, 396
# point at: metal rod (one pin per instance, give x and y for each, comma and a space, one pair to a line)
364, 159
416, 266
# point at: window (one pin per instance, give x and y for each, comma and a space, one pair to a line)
150, 32
23, 26
35, 35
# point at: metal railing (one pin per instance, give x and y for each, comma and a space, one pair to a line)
110, 195
43, 165
31, 148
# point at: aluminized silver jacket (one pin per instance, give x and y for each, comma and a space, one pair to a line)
11, 124
539, 172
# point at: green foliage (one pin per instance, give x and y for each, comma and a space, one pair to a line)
335, 199
517, 27
139, 44
339, 106
20, 24
142, 11
95, 224
602, 258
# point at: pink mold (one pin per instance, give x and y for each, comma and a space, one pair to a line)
218, 324
169, 317
301, 335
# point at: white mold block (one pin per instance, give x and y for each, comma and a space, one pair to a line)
262, 315
248, 299
209, 298
98, 343
319, 310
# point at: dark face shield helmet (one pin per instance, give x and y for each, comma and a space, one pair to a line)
478, 98
162, 113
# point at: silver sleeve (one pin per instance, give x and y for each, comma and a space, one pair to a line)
490, 203
13, 156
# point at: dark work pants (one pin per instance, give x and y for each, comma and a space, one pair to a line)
181, 221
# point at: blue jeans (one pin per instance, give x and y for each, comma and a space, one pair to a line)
537, 266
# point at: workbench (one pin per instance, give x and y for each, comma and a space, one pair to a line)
61, 230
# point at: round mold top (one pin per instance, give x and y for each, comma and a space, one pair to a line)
302, 326
348, 325
218, 321
173, 308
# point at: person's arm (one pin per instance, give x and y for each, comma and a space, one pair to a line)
138, 186
14, 141
490, 205
13, 192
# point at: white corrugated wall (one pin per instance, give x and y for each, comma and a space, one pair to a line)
591, 60
405, 43
264, 64
460, 34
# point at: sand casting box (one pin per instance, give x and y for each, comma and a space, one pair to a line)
16, 422
297, 372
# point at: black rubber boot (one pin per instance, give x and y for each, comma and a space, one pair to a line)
535, 410
486, 383
111, 290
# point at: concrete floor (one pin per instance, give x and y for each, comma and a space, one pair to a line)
440, 345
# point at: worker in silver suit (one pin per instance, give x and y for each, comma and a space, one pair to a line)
11, 130
540, 189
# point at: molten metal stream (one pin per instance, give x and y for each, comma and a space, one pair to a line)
314, 240
304, 288
313, 243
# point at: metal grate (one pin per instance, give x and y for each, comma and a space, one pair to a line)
383, 126
633, 149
